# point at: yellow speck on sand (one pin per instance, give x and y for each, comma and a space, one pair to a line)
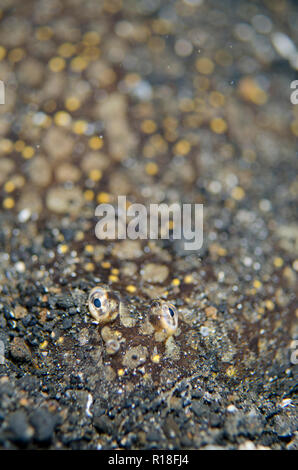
221, 251
131, 289
156, 358
9, 186
66, 49
72, 103
95, 143
148, 126
8, 203
186, 105
205, 65
24, 402
218, 125
80, 126
78, 64
188, 279
278, 262
216, 99
269, 305
19, 145
106, 264
257, 284
6, 146
95, 174
251, 91
62, 249
56, 64
103, 198
238, 193
89, 195
62, 118
28, 152
44, 33
182, 147
16, 55
151, 168
91, 38
2, 52
89, 267
231, 371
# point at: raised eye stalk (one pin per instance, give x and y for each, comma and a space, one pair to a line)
164, 317
103, 305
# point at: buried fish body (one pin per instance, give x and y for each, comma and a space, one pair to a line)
149, 345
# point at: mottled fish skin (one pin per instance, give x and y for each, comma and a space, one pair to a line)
146, 344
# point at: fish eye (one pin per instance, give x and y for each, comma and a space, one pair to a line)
164, 317
103, 305
97, 303
172, 313
170, 317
